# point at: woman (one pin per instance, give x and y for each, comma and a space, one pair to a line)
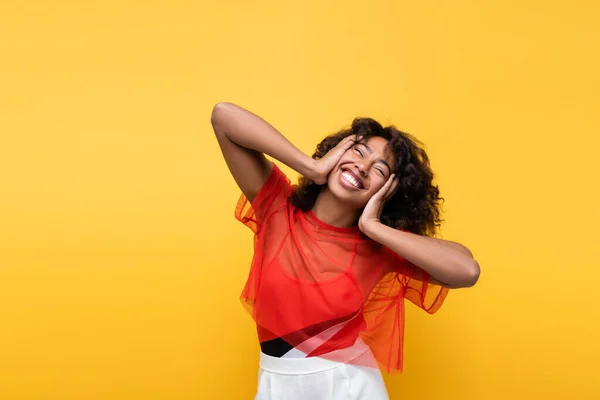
336, 255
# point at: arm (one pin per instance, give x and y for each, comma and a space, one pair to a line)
243, 138
449, 263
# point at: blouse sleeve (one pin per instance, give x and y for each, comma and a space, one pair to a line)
384, 310
418, 288
271, 197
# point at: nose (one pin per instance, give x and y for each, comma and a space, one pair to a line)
361, 168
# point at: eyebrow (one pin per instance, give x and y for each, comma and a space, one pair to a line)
381, 160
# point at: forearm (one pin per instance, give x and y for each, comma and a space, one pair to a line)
447, 262
252, 132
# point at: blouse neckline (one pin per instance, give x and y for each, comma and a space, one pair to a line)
311, 216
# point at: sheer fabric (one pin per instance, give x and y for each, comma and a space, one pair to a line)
318, 288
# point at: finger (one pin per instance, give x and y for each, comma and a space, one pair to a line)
344, 145
339, 149
389, 183
392, 190
380, 195
348, 141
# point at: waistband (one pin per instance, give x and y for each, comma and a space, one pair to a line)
311, 365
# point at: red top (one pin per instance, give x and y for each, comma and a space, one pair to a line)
320, 287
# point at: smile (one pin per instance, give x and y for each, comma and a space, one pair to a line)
350, 180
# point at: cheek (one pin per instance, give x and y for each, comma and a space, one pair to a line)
376, 184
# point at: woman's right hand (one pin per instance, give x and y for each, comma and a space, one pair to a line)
325, 165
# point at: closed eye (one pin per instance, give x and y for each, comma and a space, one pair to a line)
358, 151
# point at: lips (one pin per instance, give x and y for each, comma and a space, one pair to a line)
351, 179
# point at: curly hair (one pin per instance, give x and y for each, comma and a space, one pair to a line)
415, 207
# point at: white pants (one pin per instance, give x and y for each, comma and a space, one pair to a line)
316, 378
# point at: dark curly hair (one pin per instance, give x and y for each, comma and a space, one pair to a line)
415, 206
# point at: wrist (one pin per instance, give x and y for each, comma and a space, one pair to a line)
369, 227
309, 168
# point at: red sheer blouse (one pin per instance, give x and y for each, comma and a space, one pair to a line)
309, 279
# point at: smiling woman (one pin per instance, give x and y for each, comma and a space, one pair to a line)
337, 255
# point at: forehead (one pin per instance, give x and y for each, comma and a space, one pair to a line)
379, 146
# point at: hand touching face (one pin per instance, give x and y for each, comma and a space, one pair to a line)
362, 171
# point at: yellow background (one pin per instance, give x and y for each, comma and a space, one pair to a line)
121, 263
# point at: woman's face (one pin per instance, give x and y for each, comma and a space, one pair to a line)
362, 171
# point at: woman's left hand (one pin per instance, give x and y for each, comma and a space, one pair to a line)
374, 207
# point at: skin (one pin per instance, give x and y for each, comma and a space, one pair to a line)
368, 162
245, 138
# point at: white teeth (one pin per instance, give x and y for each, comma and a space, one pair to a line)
350, 179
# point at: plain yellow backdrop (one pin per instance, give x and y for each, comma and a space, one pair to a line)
120, 260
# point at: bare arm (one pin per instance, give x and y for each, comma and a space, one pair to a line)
449, 264
243, 138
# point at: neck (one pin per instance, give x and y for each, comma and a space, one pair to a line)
331, 211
